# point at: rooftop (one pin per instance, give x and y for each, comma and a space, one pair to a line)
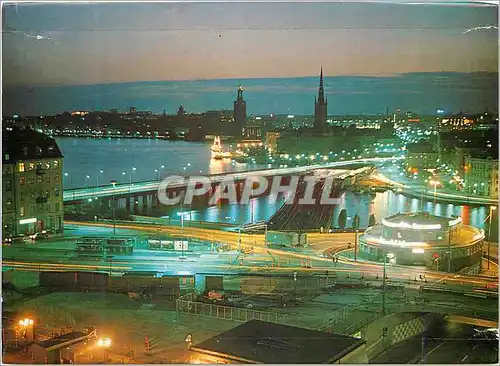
261, 342
26, 144
420, 148
62, 339
420, 221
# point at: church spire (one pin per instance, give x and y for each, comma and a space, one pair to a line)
321, 94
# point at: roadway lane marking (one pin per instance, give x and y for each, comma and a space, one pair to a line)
435, 348
465, 357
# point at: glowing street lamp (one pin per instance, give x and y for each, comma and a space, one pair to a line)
434, 183
113, 182
104, 343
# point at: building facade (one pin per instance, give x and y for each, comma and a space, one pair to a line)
481, 176
240, 113
320, 107
421, 156
32, 183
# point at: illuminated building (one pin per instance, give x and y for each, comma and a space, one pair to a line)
421, 156
453, 123
441, 243
240, 113
320, 107
32, 183
481, 175
272, 140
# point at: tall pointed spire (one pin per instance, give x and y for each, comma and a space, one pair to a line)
321, 94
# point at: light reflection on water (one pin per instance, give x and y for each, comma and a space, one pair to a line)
115, 156
381, 205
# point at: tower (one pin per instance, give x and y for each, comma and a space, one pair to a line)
320, 107
240, 113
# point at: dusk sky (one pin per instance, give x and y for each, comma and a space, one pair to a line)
101, 43
51, 45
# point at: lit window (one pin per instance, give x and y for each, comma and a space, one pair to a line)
56, 178
47, 165
31, 180
8, 204
56, 164
21, 167
21, 211
21, 181
31, 166
39, 179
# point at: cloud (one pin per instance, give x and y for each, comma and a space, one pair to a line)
475, 29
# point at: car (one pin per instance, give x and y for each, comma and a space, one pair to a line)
41, 235
9, 240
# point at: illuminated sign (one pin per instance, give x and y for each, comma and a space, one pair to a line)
400, 243
180, 245
417, 251
458, 220
27, 221
413, 226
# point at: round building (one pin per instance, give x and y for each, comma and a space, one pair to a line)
419, 238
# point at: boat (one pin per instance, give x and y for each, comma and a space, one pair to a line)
218, 152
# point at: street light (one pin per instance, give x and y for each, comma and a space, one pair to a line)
157, 175
104, 343
492, 208
113, 182
434, 183
390, 256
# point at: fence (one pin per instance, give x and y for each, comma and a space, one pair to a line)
187, 305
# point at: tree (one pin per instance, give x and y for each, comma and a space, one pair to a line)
342, 219
371, 220
355, 222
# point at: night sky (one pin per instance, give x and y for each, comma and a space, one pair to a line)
51, 45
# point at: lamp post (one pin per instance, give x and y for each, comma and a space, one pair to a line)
157, 175
434, 183
97, 179
386, 255
88, 177
492, 208
104, 343
113, 182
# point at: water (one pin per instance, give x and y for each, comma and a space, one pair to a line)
116, 158
89, 156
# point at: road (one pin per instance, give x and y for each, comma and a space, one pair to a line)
138, 187
418, 189
44, 256
450, 343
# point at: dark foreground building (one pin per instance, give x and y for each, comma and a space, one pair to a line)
32, 190
261, 342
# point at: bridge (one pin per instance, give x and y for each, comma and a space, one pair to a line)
88, 194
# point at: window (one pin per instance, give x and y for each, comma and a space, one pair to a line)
25, 150
56, 164
32, 195
39, 179
8, 185
38, 165
8, 204
56, 178
56, 192
47, 165
47, 194
56, 207
38, 151
47, 179
21, 181
21, 167
21, 211
31, 166
6, 157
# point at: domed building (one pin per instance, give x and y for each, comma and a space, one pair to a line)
419, 238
